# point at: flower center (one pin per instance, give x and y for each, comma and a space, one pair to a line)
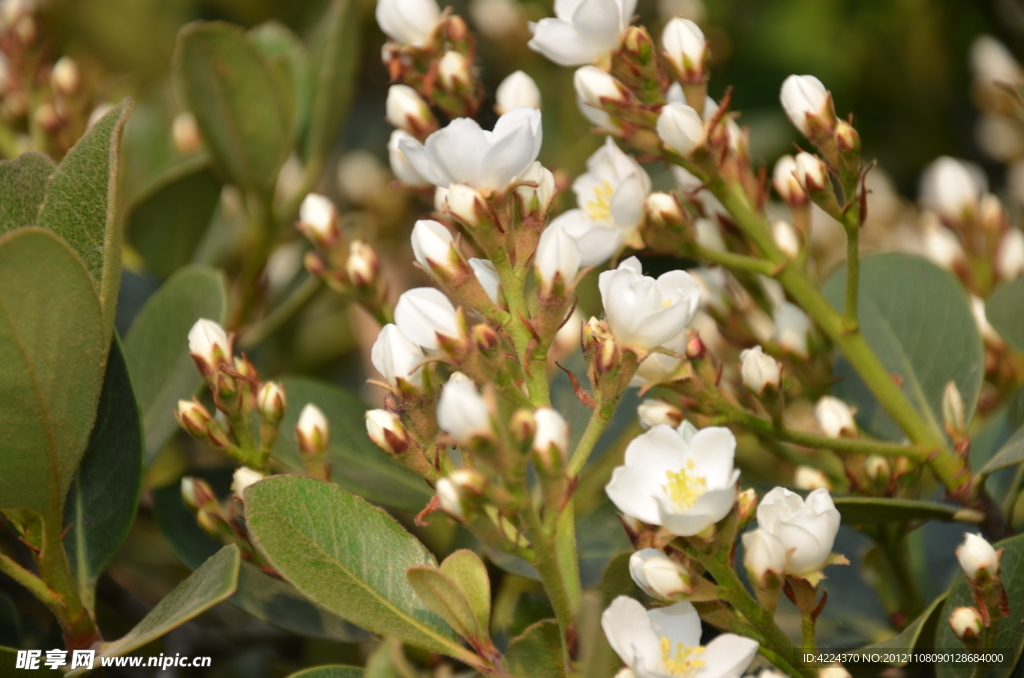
684, 488
683, 662
600, 208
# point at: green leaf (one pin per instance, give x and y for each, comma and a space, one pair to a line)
877, 510
101, 505
346, 555
167, 225
245, 121
437, 590
470, 574
210, 584
358, 465
333, 65
919, 631
918, 320
1005, 312
537, 653
81, 206
22, 188
264, 597
52, 350
1009, 454
388, 661
10, 623
288, 64
1010, 638
330, 672
156, 347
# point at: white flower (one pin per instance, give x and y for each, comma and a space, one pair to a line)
362, 265
243, 478
759, 370
406, 109
685, 486
582, 31
557, 254
665, 642
487, 276
951, 187
763, 554
387, 431
804, 95
462, 153
833, 671
65, 76
517, 91
463, 412
449, 498
811, 172
536, 199
318, 220
400, 165
611, 197
966, 623
785, 181
807, 478
988, 333
786, 238
644, 313
806, 528
312, 430
660, 366
497, 19
835, 417
208, 342
714, 284
453, 71
433, 246
598, 118
685, 46
423, 313
976, 555
657, 575
791, 328
397, 358
940, 244
408, 22
271, 401
592, 85
1010, 255
681, 128
552, 431
653, 413
663, 208
992, 62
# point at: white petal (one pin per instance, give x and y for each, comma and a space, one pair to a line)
680, 623
558, 40
634, 492
727, 656
457, 150
629, 630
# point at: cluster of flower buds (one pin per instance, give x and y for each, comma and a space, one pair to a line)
352, 269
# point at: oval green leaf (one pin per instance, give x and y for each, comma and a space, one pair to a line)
104, 496
346, 555
537, 653
437, 590
52, 349
918, 320
358, 465
156, 347
335, 57
1005, 312
22, 189
469, 573
919, 631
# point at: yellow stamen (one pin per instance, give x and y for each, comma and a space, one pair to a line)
600, 208
683, 488
683, 662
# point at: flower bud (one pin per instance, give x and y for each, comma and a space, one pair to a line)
966, 623
485, 338
952, 188
194, 418
764, 555
806, 101
557, 259
991, 62
786, 238
976, 555
387, 431
847, 139
835, 418
318, 221
243, 478
592, 85
759, 370
397, 358
463, 413
403, 170
658, 575
609, 357
653, 413
209, 345
406, 110
434, 247
185, 134
786, 184
188, 493
453, 71
940, 244
791, 328
708, 236
517, 91
811, 173
664, 210
552, 434
464, 203
807, 478
522, 427
536, 199
876, 467
953, 409
65, 76
685, 48
834, 671
313, 431
455, 489
424, 314
271, 402
408, 22
1010, 255
362, 266
680, 128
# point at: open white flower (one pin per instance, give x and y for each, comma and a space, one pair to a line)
462, 153
423, 313
684, 485
665, 643
397, 357
408, 22
807, 528
611, 197
582, 30
644, 313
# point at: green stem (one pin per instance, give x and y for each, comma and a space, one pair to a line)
599, 419
734, 261
894, 548
255, 333
76, 623
850, 316
36, 586
807, 635
551, 575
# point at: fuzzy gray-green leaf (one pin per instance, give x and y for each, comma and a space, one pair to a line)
22, 188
